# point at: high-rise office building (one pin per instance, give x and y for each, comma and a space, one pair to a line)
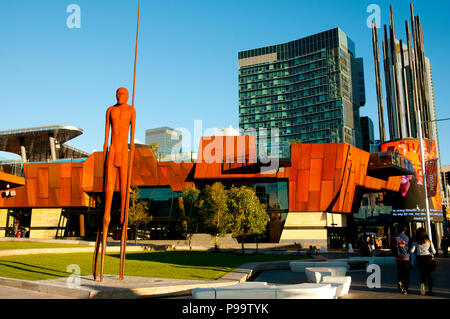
367, 132
168, 139
311, 89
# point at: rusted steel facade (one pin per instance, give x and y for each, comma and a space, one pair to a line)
321, 177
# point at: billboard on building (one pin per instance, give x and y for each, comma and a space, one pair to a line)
409, 202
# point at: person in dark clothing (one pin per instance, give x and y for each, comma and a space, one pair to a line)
444, 244
424, 249
400, 249
364, 249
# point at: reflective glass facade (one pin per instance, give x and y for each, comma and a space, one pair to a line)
310, 89
163, 202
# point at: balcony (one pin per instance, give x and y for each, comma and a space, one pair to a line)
385, 164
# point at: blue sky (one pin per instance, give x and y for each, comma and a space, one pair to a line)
187, 59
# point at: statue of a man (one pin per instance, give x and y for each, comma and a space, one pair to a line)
118, 162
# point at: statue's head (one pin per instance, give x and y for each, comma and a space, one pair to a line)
122, 95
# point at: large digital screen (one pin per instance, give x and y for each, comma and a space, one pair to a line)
409, 202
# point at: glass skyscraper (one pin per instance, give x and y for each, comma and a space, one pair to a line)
310, 89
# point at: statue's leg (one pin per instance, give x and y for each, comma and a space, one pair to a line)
123, 173
109, 192
97, 247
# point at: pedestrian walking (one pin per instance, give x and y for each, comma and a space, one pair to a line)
424, 249
444, 244
401, 252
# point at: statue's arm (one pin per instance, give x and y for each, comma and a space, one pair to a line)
105, 144
133, 124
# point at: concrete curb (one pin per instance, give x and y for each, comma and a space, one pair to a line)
52, 241
109, 249
45, 288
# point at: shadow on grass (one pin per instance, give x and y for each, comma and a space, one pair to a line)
201, 258
37, 269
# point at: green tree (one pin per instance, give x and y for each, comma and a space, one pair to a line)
156, 150
217, 217
295, 141
138, 212
191, 212
249, 215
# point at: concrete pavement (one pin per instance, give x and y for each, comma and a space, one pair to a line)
7, 292
388, 289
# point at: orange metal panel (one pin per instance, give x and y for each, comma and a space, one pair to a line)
341, 152
88, 168
295, 157
292, 191
53, 197
30, 170
98, 184
350, 192
54, 175
329, 160
303, 185
42, 182
21, 198
314, 201
65, 191
315, 174
304, 156
317, 150
326, 194
41, 202
66, 170
76, 190
32, 191
98, 164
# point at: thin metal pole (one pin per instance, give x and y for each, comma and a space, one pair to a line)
376, 56
424, 177
130, 164
135, 52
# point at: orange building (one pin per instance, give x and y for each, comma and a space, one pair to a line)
315, 191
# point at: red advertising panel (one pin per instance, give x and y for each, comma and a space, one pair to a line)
410, 201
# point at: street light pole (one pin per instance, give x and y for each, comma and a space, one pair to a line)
424, 177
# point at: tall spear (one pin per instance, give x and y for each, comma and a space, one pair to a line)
130, 164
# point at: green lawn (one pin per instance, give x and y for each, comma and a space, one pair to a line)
31, 244
194, 265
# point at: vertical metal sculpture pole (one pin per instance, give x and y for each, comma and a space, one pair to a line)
387, 79
405, 91
376, 56
424, 176
398, 107
426, 105
130, 163
412, 69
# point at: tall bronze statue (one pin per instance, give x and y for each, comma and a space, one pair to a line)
118, 161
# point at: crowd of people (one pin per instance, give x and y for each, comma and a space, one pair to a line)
20, 231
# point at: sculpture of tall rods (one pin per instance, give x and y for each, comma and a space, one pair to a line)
118, 161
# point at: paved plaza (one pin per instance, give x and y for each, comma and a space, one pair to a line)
388, 290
